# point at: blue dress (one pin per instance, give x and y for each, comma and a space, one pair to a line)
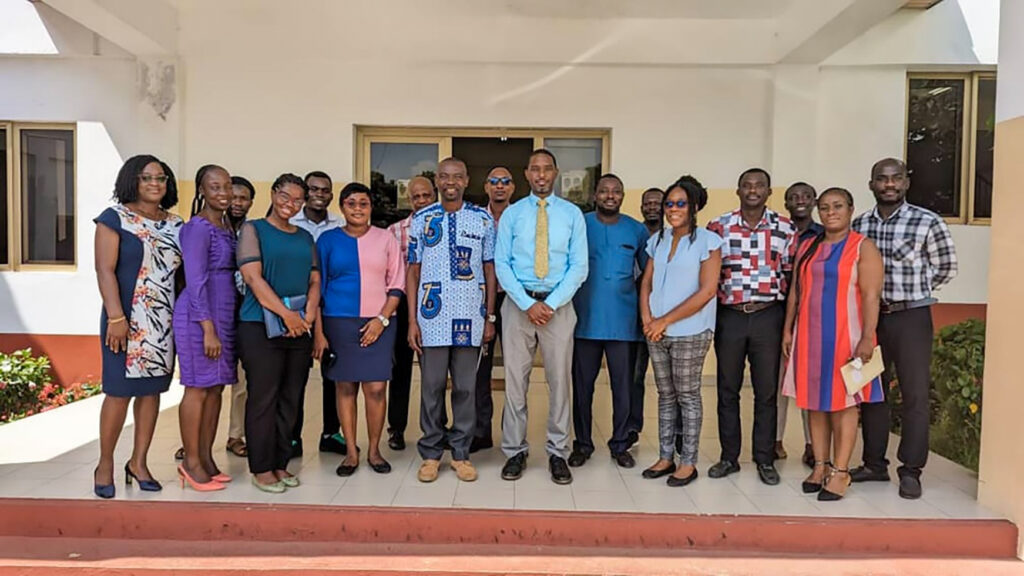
147, 258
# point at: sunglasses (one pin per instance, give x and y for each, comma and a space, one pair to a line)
677, 204
505, 181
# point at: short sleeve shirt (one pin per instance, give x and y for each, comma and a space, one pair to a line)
451, 249
676, 280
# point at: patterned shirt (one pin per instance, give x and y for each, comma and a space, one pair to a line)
917, 250
451, 249
400, 230
755, 261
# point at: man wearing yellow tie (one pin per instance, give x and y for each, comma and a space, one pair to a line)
541, 260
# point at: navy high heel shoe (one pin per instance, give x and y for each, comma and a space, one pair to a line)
144, 485
102, 490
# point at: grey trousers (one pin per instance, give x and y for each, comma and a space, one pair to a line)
436, 363
519, 341
678, 363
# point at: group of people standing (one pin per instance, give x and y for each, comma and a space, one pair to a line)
794, 298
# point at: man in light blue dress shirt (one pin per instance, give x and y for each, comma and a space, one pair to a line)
539, 279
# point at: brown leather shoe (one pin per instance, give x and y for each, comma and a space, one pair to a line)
464, 470
428, 470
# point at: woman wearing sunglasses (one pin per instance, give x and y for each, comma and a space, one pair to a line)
677, 307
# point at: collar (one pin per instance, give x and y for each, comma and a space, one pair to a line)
899, 211
534, 199
766, 219
301, 217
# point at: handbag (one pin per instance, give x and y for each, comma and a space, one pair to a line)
856, 374
275, 324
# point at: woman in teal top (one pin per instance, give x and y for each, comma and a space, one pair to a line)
279, 265
677, 307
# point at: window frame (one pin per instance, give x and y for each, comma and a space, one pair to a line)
968, 145
15, 228
443, 136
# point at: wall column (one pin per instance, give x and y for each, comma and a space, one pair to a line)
1002, 449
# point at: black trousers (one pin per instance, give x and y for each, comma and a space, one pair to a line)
586, 364
276, 371
635, 422
484, 401
401, 373
756, 337
329, 405
906, 341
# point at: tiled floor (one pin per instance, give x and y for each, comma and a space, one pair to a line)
52, 455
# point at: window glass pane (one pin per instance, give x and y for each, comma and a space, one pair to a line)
984, 143
483, 154
579, 167
48, 196
4, 223
392, 165
934, 143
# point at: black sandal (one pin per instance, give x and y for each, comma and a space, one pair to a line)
812, 487
825, 495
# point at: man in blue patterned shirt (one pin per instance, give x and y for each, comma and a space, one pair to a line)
451, 285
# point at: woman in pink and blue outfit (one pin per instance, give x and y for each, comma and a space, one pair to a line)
362, 280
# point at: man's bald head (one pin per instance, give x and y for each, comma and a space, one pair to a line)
421, 193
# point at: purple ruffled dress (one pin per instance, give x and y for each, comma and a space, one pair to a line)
209, 259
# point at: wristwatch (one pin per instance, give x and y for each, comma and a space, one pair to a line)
492, 318
383, 320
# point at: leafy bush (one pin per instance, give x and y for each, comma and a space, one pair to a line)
26, 389
958, 365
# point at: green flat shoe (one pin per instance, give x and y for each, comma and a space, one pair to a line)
275, 488
290, 481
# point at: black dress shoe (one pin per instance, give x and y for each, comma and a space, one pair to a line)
396, 441
560, 473
514, 466
332, 444
768, 474
382, 467
623, 459
865, 474
632, 438
480, 443
723, 469
910, 488
345, 470
676, 482
651, 473
578, 458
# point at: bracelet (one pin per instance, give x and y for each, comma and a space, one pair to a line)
117, 320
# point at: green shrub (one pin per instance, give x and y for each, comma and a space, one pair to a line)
22, 378
958, 365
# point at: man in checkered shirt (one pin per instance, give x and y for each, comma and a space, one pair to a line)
757, 259
919, 257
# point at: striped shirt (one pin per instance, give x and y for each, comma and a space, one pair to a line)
917, 250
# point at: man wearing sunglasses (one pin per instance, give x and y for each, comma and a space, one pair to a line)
607, 328
499, 187
316, 219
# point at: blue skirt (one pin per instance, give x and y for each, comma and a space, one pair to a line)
355, 363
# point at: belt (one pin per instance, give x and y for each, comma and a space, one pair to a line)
751, 307
890, 307
538, 296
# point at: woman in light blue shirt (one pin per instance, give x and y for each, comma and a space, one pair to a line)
677, 307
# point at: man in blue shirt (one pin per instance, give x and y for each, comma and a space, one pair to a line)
541, 260
451, 277
607, 324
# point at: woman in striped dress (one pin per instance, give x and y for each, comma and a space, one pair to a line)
832, 319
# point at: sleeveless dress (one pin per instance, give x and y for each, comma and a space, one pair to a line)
147, 258
827, 329
209, 294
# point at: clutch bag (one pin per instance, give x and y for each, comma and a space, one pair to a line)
275, 324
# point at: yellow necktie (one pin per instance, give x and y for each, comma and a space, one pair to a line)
540, 250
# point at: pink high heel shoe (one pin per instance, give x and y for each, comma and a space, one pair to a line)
210, 486
221, 477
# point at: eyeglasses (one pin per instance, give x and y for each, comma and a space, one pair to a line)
677, 204
149, 178
504, 181
287, 198
353, 204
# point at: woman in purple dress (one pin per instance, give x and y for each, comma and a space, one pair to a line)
204, 325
